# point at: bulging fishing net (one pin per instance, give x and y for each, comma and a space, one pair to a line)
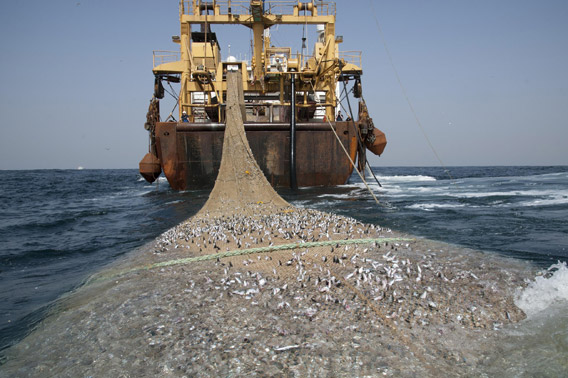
241, 187
254, 286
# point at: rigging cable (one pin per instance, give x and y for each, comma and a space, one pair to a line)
172, 93
346, 153
342, 96
366, 161
403, 89
171, 115
359, 134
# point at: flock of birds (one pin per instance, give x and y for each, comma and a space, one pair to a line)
241, 231
392, 279
326, 270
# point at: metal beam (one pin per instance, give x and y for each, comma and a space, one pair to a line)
293, 182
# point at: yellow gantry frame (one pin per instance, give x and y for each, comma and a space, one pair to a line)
202, 70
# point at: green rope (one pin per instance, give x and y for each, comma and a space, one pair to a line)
241, 252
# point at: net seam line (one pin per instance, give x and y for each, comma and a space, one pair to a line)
267, 249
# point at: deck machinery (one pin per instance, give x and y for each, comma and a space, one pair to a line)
292, 100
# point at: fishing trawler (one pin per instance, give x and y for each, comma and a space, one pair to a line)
292, 100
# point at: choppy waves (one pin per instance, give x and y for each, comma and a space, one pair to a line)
57, 226
517, 211
408, 178
505, 192
545, 291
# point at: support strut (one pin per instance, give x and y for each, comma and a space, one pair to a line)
293, 182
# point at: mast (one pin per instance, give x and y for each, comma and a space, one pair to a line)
257, 12
202, 71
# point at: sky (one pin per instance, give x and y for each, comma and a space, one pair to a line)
487, 80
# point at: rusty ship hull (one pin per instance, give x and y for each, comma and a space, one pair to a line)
190, 153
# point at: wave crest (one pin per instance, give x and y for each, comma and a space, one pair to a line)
545, 291
405, 178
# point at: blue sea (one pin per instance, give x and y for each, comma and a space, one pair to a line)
59, 226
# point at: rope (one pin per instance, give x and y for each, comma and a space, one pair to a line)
373, 173
359, 143
347, 153
172, 112
352, 163
357, 130
172, 93
239, 252
403, 89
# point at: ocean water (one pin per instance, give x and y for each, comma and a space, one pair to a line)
520, 212
59, 226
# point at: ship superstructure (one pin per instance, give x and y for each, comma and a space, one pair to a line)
291, 99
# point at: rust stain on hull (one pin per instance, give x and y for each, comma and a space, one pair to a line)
190, 154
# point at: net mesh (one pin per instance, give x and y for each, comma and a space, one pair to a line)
345, 309
240, 187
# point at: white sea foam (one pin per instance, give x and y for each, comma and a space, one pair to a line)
540, 197
554, 200
174, 202
547, 175
397, 191
543, 292
511, 193
338, 196
404, 178
432, 206
160, 179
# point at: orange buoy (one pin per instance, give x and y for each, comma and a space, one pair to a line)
150, 167
379, 142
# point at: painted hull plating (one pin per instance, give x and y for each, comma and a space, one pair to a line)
190, 153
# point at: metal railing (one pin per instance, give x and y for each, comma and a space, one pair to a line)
353, 57
163, 56
242, 7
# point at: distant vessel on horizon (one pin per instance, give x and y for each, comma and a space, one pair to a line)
293, 118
